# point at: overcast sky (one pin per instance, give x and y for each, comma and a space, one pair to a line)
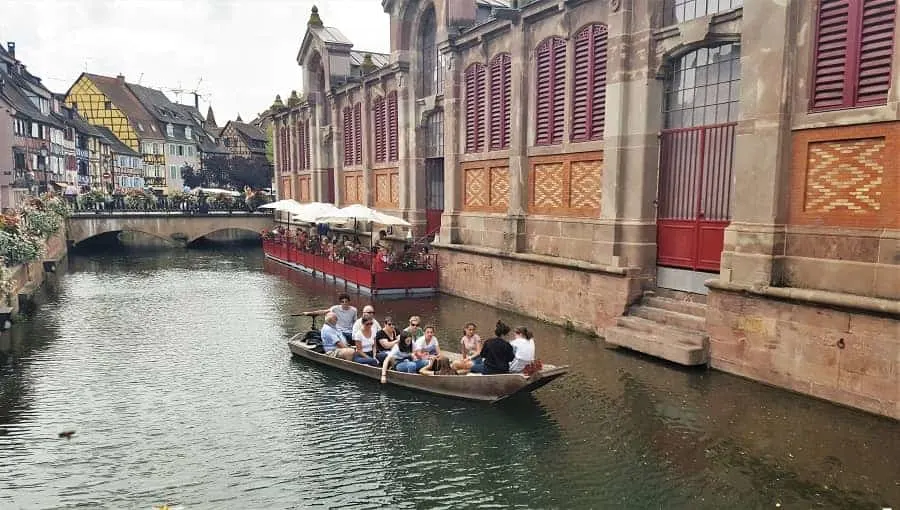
244, 50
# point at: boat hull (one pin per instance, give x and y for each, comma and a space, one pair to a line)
482, 388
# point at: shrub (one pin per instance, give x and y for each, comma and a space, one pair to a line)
19, 249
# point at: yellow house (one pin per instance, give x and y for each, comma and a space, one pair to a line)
108, 102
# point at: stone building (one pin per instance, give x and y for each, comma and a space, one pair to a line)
703, 181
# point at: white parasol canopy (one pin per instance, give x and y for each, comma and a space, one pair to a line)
312, 211
289, 205
216, 191
361, 213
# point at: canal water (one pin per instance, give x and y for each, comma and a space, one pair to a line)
172, 369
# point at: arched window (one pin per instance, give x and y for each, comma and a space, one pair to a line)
703, 87
589, 87
378, 118
679, 11
474, 76
501, 88
393, 131
431, 79
550, 77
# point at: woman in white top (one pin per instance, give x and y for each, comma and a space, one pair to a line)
523, 347
427, 345
365, 344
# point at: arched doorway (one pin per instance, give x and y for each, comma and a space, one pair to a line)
697, 158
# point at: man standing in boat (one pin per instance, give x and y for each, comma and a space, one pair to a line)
346, 316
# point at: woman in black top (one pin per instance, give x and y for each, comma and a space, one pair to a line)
496, 353
386, 338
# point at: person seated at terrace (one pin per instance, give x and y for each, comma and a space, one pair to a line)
496, 353
427, 346
523, 350
367, 313
385, 339
365, 344
346, 315
333, 342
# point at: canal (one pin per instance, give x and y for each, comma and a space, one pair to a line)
172, 369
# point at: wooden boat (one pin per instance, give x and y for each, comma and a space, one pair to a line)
483, 388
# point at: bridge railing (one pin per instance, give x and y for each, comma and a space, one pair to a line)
161, 206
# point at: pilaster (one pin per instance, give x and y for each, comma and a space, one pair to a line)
452, 178
337, 148
520, 62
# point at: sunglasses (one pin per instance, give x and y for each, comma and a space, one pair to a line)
388, 323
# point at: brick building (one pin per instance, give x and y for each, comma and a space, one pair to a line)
736, 158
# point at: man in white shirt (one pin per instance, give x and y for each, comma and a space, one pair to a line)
367, 313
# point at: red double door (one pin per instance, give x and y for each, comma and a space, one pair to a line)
696, 184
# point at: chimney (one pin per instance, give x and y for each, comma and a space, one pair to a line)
11, 49
121, 78
197, 101
461, 13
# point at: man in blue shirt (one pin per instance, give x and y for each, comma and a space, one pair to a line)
333, 341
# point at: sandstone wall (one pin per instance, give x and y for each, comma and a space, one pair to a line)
848, 357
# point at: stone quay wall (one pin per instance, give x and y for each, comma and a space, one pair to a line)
28, 278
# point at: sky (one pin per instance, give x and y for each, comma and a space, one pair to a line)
243, 50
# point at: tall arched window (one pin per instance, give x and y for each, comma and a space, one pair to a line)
589, 87
550, 103
474, 76
430, 76
500, 90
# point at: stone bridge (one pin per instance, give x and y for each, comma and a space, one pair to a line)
179, 228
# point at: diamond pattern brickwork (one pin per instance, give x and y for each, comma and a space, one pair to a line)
354, 189
585, 185
476, 188
548, 189
845, 175
387, 188
566, 185
500, 187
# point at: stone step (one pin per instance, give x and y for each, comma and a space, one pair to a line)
642, 325
676, 350
676, 305
668, 317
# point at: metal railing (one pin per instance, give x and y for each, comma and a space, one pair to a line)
162, 205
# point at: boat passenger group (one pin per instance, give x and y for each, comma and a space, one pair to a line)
414, 349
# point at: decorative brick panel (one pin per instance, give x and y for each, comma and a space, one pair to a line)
354, 188
485, 186
566, 185
303, 183
846, 176
285, 191
387, 193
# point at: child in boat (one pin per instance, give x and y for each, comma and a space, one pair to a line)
496, 353
523, 350
469, 347
438, 366
399, 354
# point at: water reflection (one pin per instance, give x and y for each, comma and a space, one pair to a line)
172, 368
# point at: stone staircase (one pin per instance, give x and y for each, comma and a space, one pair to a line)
665, 324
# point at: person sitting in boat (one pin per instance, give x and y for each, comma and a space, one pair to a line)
413, 329
523, 349
496, 353
333, 342
399, 354
346, 316
426, 346
385, 338
469, 347
404, 349
438, 366
367, 313
364, 339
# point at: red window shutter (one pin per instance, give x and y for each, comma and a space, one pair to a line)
500, 85
830, 67
305, 140
393, 127
876, 49
598, 96
550, 94
348, 136
475, 100
559, 90
589, 84
297, 150
357, 134
378, 116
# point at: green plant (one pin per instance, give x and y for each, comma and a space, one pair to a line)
91, 198
18, 249
56, 204
41, 223
180, 197
6, 284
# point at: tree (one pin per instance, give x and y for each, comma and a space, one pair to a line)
236, 172
191, 178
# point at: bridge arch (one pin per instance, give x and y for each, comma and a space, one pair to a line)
174, 228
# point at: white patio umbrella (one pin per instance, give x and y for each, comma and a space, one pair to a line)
362, 213
312, 211
281, 205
